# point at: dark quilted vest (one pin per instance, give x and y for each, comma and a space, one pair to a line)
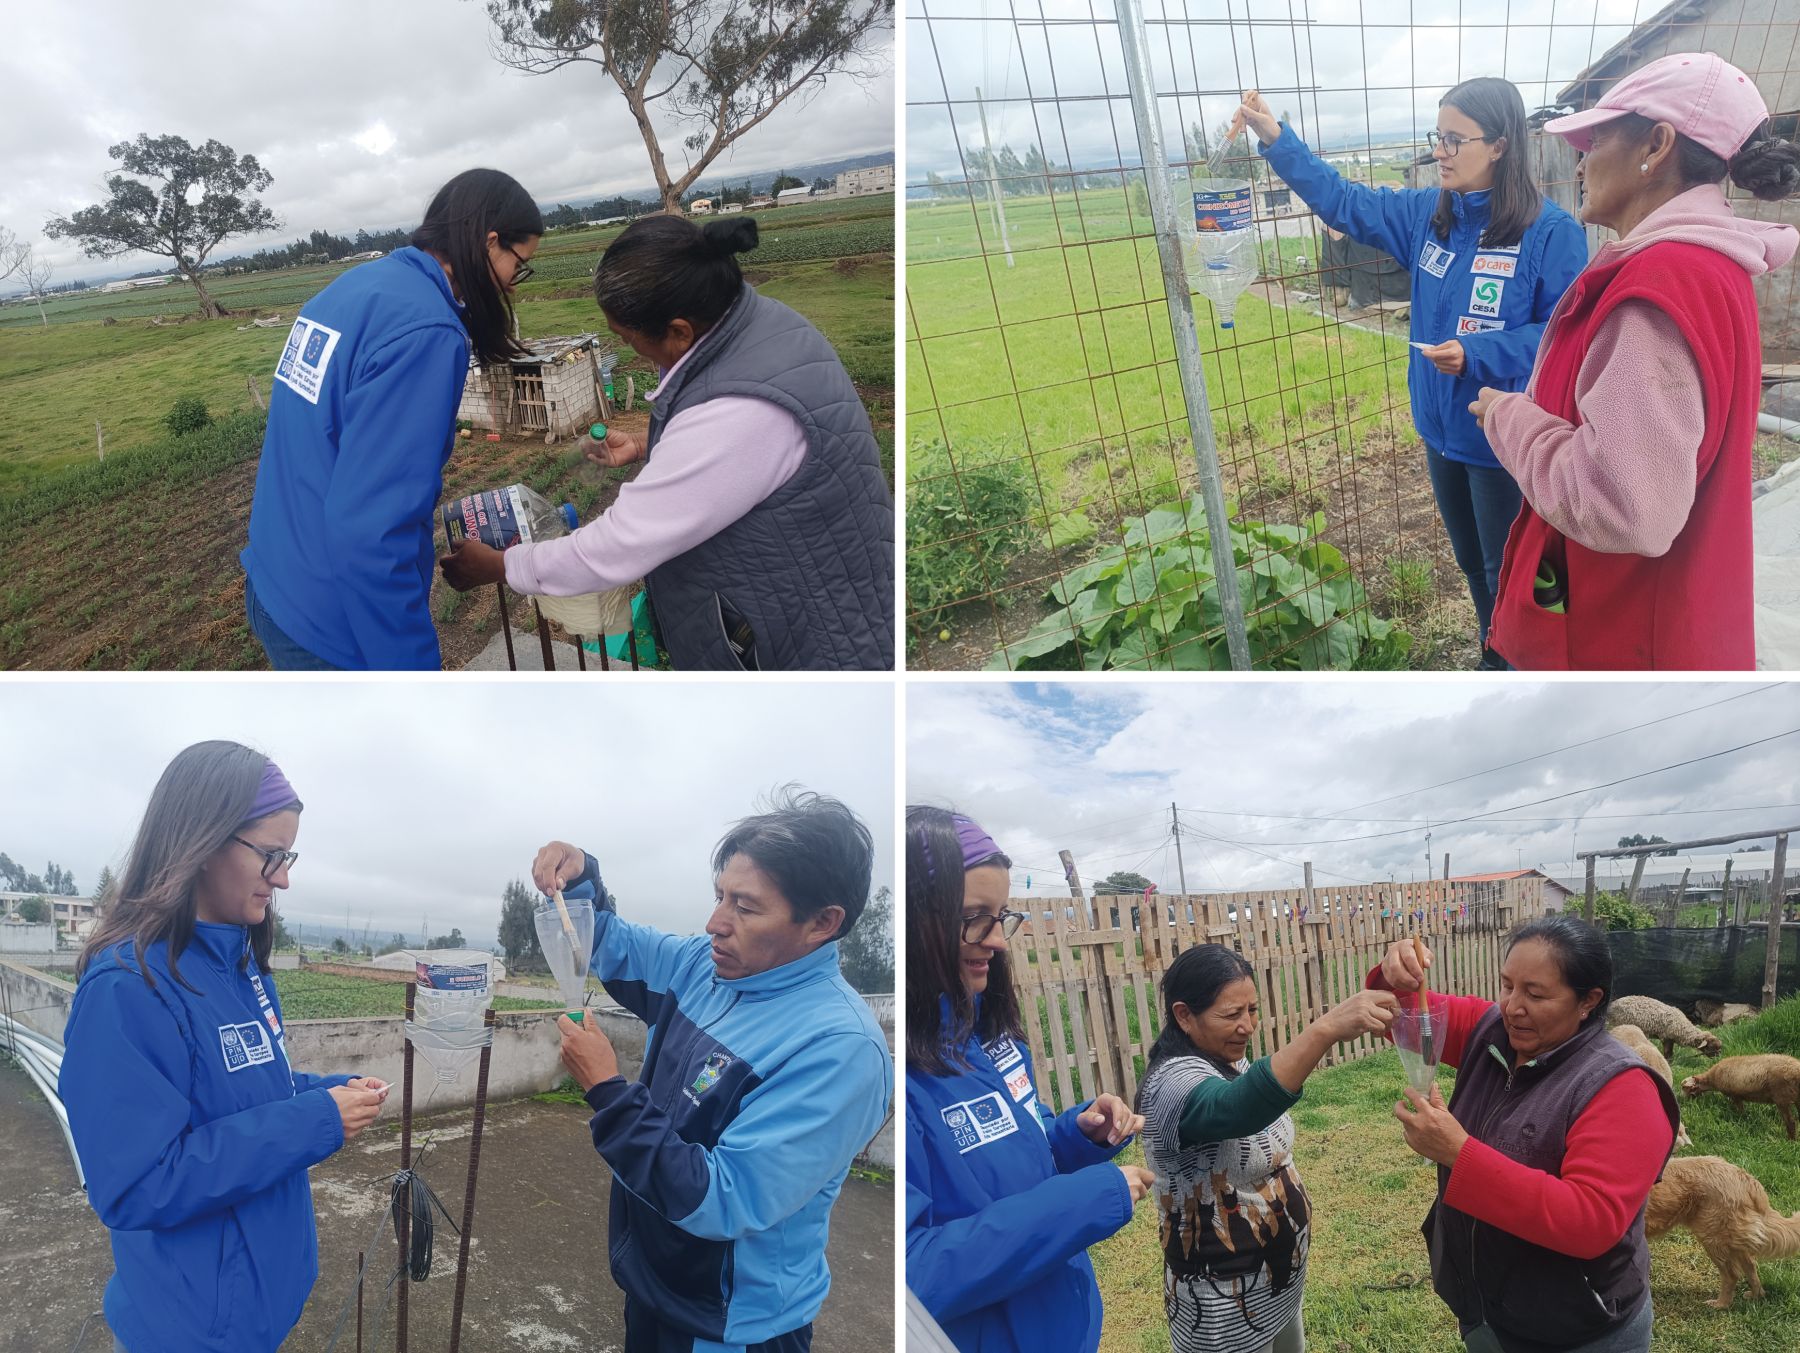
810, 569
1536, 1299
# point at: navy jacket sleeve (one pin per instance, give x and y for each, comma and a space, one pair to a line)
795, 1133
964, 1264
126, 1080
1373, 216
384, 487
1506, 356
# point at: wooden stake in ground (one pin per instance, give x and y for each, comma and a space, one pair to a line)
255, 393
100, 439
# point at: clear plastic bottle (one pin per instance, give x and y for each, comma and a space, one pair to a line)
503, 517
1221, 250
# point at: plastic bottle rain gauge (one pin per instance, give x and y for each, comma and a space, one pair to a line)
565, 931
448, 1024
1419, 1031
1221, 249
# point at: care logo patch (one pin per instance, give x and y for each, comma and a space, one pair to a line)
1495, 265
976, 1122
1435, 259
1484, 296
306, 357
1469, 325
245, 1045
709, 1074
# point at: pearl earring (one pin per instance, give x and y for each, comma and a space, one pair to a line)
1644, 168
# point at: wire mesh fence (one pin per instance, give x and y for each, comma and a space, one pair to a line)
1053, 460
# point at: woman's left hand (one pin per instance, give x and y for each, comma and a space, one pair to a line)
1484, 402
1448, 358
380, 1087
1430, 1129
471, 564
1109, 1121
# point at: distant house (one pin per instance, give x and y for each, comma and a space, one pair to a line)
731, 207
1555, 895
139, 282
793, 194
877, 178
760, 203
365, 257
701, 206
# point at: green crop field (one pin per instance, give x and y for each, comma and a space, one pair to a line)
330, 995
1368, 1284
131, 562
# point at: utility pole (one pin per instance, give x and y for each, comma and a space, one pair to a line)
1175, 831
993, 180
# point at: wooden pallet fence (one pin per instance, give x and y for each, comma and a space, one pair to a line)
1089, 971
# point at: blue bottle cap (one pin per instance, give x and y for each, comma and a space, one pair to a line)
568, 515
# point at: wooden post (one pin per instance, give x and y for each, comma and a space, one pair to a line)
1096, 972
600, 400
1725, 894
1680, 894
1587, 907
1777, 894
255, 393
1637, 877
1312, 939
100, 438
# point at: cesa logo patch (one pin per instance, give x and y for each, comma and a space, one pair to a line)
1495, 265
1485, 296
245, 1045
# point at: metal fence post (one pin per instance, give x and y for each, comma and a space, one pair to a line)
1181, 320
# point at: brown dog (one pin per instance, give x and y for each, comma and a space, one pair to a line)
1729, 1213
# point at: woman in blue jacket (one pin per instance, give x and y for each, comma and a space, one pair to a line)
1490, 257
362, 418
194, 1131
1002, 1196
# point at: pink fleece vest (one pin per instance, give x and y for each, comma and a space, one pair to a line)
1691, 608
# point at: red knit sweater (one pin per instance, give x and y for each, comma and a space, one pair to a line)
1616, 1149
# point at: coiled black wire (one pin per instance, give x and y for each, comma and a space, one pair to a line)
423, 1204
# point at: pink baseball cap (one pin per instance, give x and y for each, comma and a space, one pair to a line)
1706, 99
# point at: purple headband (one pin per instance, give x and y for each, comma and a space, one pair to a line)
977, 846
272, 795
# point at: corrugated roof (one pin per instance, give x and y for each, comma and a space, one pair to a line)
1585, 90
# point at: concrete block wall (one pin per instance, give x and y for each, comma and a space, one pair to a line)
36, 999
569, 393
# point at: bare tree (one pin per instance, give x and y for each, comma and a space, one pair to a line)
201, 196
13, 253
716, 68
36, 272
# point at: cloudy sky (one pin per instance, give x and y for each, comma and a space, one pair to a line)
1343, 68
424, 799
1339, 773
359, 110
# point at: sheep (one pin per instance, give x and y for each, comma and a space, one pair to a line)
1662, 1022
1765, 1078
1633, 1037
1713, 1014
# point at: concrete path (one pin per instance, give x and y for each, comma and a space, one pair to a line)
538, 1280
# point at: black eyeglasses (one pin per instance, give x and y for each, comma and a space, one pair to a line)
523, 271
1451, 141
273, 860
978, 927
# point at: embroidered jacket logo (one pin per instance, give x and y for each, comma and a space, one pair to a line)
709, 1074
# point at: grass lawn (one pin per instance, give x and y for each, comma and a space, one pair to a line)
1058, 372
1368, 1281
330, 995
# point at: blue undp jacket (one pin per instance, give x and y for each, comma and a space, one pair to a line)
729, 1149
196, 1137
1002, 1200
362, 418
1494, 301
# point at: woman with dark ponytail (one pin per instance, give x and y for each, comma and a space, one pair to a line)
1236, 1223
1632, 442
1003, 1197
761, 522
362, 418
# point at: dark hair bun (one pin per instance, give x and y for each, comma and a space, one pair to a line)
734, 234
1767, 167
